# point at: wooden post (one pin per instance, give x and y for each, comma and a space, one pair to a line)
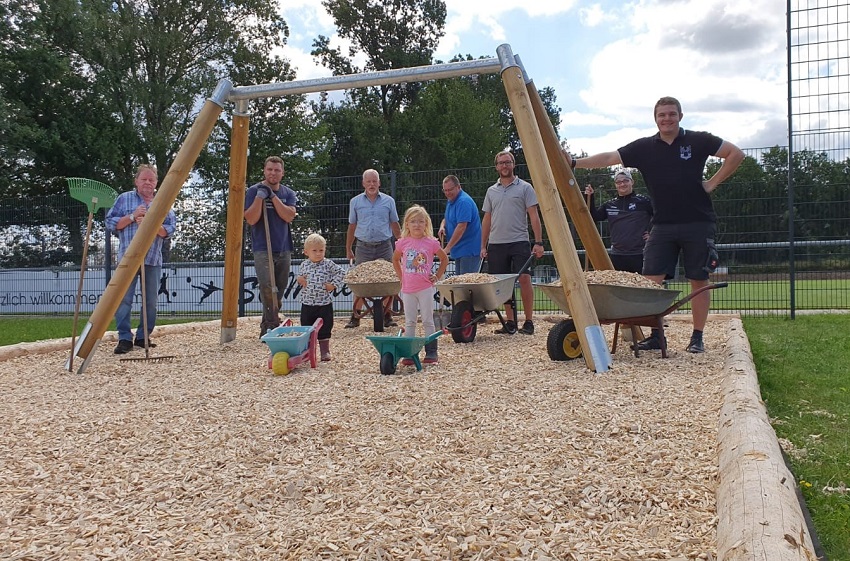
568, 187
235, 211
758, 515
596, 353
138, 248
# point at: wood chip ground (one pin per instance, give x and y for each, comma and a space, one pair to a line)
494, 453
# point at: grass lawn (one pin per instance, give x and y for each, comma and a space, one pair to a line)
802, 369
826, 294
25, 329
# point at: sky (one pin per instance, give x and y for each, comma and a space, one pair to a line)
610, 61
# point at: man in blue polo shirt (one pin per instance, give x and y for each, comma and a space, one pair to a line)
372, 224
462, 227
672, 163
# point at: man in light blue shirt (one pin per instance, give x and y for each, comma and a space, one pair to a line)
372, 224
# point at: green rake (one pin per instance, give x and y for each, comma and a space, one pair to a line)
95, 195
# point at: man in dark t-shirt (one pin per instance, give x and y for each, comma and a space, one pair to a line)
672, 163
629, 216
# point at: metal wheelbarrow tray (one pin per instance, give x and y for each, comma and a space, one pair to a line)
374, 293
393, 347
289, 346
621, 305
472, 301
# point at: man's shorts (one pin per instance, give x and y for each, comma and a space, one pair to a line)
695, 241
504, 258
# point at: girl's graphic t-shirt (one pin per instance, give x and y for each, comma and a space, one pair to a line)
417, 262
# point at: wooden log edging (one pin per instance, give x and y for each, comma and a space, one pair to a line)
759, 516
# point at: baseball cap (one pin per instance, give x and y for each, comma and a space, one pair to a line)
623, 171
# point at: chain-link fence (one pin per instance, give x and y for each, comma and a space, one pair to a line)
42, 242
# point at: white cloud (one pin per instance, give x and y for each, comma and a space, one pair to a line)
729, 82
610, 61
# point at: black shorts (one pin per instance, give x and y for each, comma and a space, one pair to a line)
695, 241
504, 258
630, 263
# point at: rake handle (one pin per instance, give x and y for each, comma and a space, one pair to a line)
272, 279
80, 292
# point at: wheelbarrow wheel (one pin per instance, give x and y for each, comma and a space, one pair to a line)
378, 315
280, 363
462, 314
387, 364
563, 342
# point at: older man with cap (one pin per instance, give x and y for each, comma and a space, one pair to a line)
629, 217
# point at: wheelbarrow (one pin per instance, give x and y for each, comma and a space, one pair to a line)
621, 305
472, 301
374, 293
291, 345
392, 348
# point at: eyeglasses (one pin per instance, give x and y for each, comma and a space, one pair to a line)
505, 163
622, 182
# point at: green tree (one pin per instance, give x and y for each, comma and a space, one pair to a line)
95, 87
393, 34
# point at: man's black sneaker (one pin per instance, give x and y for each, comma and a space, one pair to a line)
124, 346
141, 343
696, 345
651, 343
527, 328
508, 329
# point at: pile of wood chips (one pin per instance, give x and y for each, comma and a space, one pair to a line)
469, 278
375, 271
494, 453
619, 278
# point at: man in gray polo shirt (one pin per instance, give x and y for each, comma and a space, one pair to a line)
372, 224
509, 205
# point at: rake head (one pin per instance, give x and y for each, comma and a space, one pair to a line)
167, 358
94, 194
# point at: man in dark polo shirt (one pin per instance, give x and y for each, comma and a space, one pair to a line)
672, 163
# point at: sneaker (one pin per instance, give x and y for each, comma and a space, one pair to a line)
141, 343
124, 347
651, 343
407, 362
390, 322
508, 329
527, 328
696, 345
430, 360
326, 356
353, 322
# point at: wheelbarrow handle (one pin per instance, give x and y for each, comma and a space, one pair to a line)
679, 303
526, 265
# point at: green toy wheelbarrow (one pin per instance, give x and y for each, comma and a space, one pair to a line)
394, 347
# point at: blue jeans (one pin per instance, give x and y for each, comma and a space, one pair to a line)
468, 264
150, 290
